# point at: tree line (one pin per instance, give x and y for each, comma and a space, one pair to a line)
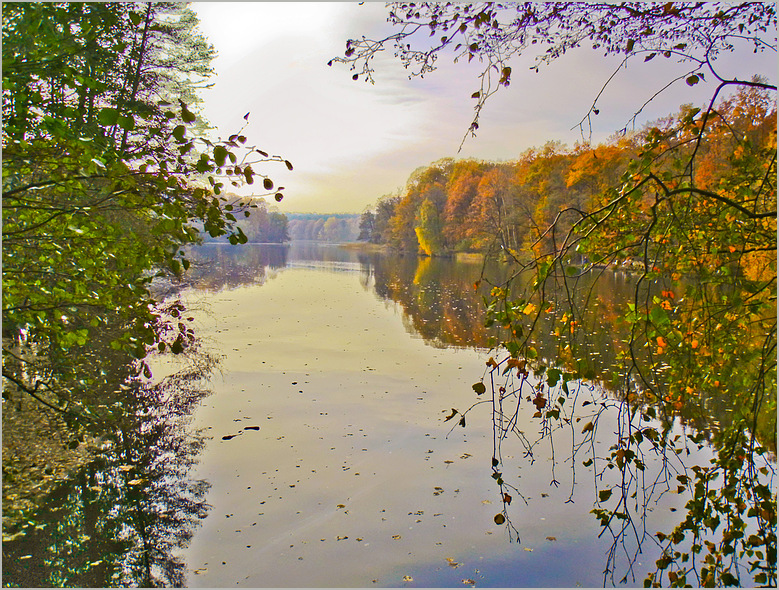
338, 227
474, 205
264, 225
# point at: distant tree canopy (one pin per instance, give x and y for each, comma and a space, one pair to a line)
263, 225
338, 227
689, 204
105, 177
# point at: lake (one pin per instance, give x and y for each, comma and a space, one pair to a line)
349, 363
311, 447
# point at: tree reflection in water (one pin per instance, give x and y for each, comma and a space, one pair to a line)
130, 502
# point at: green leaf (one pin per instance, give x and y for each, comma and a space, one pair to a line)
186, 115
553, 376
220, 155
604, 495
479, 388
127, 122
108, 116
178, 133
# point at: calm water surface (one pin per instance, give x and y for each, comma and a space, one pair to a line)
339, 469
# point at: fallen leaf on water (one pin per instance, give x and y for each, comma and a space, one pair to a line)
452, 562
252, 428
408, 579
528, 549
396, 537
551, 538
469, 581
341, 506
499, 519
135, 482
229, 436
340, 538
486, 502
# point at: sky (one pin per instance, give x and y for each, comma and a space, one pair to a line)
351, 142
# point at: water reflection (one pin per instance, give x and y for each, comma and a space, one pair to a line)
440, 303
128, 500
348, 420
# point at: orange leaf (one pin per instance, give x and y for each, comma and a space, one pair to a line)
661, 342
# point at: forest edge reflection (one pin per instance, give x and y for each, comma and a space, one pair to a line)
440, 305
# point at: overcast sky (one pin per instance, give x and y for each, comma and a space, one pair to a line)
352, 142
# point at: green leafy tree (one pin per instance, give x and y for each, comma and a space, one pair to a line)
694, 216
102, 185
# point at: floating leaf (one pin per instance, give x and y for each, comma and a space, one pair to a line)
551, 538
229, 436
252, 428
479, 388
587, 427
499, 519
604, 495
452, 415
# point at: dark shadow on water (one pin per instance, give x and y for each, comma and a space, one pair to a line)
128, 501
